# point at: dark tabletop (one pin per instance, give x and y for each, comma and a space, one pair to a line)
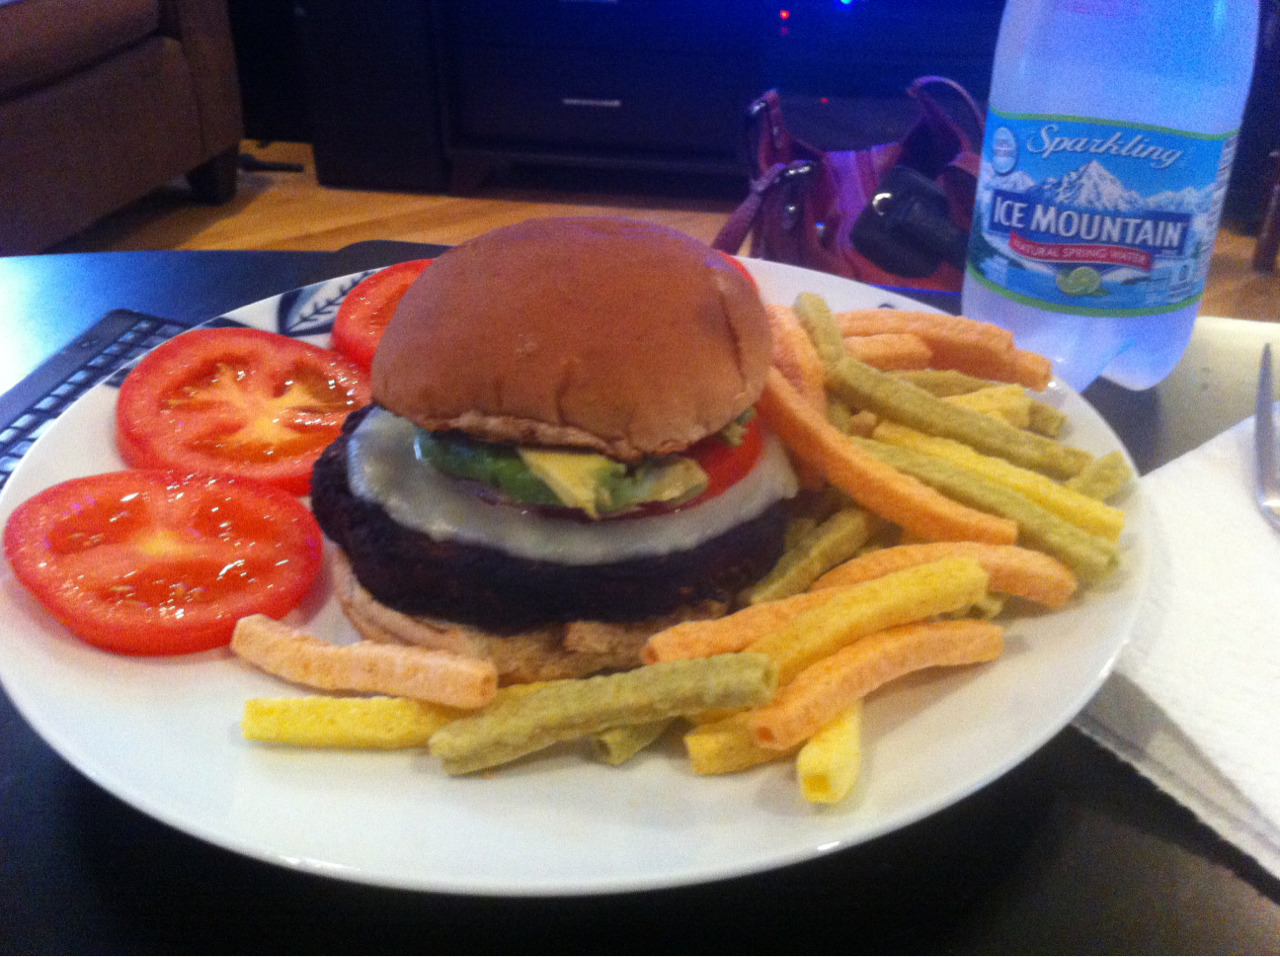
1071, 851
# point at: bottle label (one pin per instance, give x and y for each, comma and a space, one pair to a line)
1094, 217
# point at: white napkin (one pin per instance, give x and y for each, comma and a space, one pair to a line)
1194, 703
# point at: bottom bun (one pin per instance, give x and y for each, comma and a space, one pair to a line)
563, 650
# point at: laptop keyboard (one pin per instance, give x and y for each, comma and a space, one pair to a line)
108, 349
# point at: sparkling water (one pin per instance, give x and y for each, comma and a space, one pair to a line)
1109, 141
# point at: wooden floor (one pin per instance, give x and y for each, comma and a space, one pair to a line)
292, 211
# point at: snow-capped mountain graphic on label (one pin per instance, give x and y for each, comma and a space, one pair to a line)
1089, 187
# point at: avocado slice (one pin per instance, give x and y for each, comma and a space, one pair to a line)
497, 466
597, 484
579, 479
672, 480
594, 483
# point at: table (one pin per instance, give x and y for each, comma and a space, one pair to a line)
1072, 851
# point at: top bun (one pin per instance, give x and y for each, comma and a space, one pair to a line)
611, 334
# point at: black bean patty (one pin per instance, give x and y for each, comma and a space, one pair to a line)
411, 572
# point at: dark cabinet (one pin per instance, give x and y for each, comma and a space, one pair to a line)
657, 84
630, 101
374, 93
271, 69
431, 94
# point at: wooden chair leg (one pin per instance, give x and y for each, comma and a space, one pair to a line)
214, 181
1268, 245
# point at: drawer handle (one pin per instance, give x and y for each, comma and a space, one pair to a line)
589, 102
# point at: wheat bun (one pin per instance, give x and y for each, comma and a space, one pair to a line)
620, 336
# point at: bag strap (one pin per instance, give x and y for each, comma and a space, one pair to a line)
919, 91
741, 221
938, 137
769, 140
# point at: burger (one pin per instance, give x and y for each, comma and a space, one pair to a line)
561, 456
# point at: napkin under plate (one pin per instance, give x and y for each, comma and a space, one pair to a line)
1194, 702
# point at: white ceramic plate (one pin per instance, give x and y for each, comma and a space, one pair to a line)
163, 734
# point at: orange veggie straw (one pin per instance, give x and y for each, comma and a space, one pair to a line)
795, 356
1018, 571
407, 671
899, 498
890, 351
715, 636
978, 348
823, 690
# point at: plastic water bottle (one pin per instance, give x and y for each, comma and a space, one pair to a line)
1109, 139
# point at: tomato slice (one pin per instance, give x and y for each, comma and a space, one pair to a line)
365, 312
237, 401
734, 261
155, 563
727, 464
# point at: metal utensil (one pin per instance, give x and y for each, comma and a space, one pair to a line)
1267, 478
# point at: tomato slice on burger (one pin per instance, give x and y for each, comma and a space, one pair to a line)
727, 464
237, 401
365, 312
736, 263
155, 563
